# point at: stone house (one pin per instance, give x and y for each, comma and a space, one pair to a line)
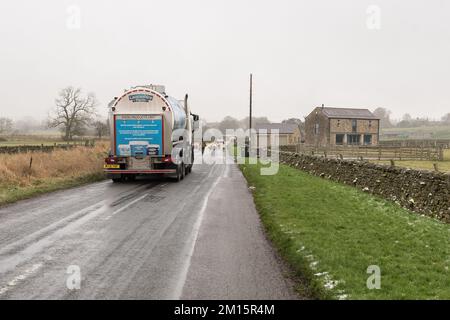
326, 126
288, 133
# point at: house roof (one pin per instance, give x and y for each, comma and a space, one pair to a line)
283, 128
348, 113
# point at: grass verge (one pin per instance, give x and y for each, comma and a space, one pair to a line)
28, 174
331, 233
10, 194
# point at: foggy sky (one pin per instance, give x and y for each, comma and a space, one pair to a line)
301, 53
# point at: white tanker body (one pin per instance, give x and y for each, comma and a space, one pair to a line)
146, 125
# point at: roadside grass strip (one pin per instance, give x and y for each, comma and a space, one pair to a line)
11, 194
337, 236
26, 175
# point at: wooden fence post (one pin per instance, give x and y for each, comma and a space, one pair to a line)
29, 168
441, 153
436, 167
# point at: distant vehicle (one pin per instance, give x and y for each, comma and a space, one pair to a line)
151, 133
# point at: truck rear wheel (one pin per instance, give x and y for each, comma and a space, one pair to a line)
183, 170
192, 161
117, 180
178, 174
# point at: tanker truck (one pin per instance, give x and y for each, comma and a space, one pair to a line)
151, 133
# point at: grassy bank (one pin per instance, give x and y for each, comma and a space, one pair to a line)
332, 233
48, 171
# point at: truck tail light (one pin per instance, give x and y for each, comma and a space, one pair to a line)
110, 160
167, 159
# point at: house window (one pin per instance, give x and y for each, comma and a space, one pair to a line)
339, 123
367, 139
354, 127
316, 129
353, 139
370, 124
339, 139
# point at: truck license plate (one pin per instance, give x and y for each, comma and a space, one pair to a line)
111, 166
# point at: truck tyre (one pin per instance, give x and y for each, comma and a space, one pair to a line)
192, 161
178, 175
183, 170
117, 180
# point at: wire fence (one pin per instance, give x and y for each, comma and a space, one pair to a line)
445, 143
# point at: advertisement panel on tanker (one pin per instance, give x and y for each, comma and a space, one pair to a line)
139, 135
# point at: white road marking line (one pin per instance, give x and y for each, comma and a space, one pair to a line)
16, 280
196, 228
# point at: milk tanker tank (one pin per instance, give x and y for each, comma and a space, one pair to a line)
143, 121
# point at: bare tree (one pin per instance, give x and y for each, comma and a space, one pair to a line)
101, 128
446, 118
73, 112
293, 121
228, 123
255, 121
6, 125
385, 117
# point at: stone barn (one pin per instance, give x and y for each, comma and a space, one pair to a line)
326, 126
288, 133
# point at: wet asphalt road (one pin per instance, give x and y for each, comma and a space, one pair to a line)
150, 239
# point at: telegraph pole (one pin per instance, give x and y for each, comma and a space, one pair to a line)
251, 98
247, 139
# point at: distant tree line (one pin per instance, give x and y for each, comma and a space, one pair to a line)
6, 125
384, 114
407, 120
232, 123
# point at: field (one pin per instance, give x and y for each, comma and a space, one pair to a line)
430, 132
34, 140
443, 166
331, 233
48, 171
30, 141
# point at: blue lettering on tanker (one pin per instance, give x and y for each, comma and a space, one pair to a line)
138, 137
140, 97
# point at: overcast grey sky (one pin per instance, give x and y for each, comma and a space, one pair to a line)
302, 54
